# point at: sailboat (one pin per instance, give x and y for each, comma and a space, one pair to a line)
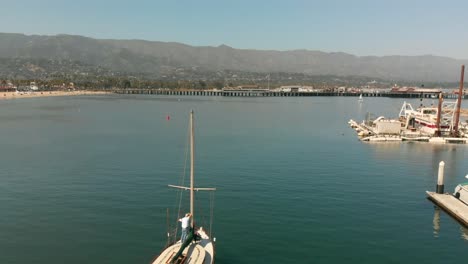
360, 98
198, 248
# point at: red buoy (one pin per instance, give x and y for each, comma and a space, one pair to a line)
168, 118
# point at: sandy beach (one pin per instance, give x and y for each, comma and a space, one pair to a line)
18, 95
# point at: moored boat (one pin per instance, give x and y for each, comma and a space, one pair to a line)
461, 192
424, 119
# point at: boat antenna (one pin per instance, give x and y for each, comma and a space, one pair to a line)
460, 96
439, 114
268, 76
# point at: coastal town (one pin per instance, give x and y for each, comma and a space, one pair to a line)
9, 90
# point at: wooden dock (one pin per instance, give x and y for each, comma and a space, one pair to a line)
451, 205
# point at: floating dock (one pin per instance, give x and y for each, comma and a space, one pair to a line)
371, 134
451, 205
454, 205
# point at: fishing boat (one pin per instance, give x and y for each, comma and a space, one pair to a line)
425, 119
198, 247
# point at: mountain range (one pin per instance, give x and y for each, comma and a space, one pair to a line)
155, 58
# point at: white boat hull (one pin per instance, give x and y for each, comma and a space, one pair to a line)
461, 192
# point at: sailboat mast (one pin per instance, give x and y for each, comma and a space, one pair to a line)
191, 166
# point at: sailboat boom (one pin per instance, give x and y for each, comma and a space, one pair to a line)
195, 189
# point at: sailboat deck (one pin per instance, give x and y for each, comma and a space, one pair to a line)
201, 252
194, 254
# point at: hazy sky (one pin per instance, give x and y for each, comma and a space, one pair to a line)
360, 27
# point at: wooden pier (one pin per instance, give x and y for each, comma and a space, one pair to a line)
270, 93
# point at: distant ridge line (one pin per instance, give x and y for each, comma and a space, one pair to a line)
159, 58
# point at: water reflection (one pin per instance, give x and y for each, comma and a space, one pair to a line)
436, 221
436, 225
464, 232
426, 155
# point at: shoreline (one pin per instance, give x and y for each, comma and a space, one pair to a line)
19, 95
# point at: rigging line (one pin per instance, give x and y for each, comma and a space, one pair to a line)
199, 209
182, 181
202, 214
212, 201
168, 227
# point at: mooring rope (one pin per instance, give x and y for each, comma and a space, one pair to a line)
212, 202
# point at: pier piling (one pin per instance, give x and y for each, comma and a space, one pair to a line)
440, 179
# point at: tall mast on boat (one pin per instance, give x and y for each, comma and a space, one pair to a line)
439, 114
192, 188
192, 148
460, 96
268, 82
202, 252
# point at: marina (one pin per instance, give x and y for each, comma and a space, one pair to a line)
441, 124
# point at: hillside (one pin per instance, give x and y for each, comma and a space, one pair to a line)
155, 59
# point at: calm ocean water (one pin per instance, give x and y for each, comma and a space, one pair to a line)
84, 180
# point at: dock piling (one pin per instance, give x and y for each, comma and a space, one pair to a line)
440, 178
